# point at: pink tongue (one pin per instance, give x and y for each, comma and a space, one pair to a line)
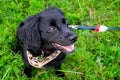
69, 48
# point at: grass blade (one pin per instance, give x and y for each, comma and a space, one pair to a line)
5, 73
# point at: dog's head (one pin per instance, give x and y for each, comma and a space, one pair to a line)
48, 30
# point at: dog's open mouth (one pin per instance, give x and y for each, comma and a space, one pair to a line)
66, 49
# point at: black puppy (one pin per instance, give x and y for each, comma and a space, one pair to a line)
46, 32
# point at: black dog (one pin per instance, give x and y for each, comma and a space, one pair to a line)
46, 32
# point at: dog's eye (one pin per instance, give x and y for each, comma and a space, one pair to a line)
52, 28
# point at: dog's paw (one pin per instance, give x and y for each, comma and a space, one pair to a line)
27, 72
60, 74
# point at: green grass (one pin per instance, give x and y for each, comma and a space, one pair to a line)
97, 55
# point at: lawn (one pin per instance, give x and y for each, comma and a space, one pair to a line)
97, 55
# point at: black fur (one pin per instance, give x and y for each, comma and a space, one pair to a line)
38, 32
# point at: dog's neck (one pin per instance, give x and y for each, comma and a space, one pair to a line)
41, 52
47, 52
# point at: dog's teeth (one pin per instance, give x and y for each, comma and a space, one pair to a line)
53, 44
57, 44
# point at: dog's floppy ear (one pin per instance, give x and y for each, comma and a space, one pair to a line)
28, 31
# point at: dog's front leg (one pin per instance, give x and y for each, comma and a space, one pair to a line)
57, 72
27, 71
27, 66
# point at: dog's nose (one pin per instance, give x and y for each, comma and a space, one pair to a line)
73, 38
